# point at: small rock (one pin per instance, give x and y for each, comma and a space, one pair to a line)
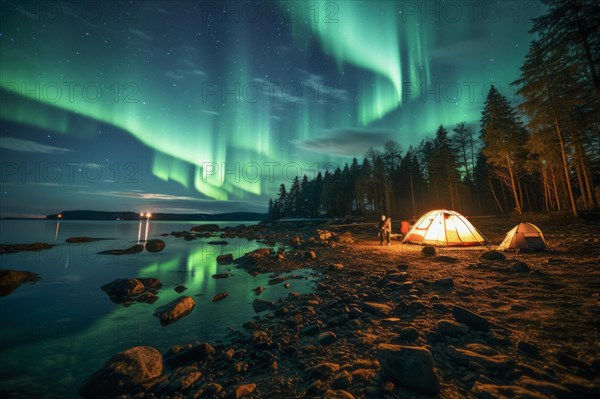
378, 309
409, 334
123, 287
225, 259
244, 390
342, 380
310, 330
197, 353
260, 305
490, 391
323, 370
492, 255
327, 338
471, 319
336, 267
444, 282
259, 290
175, 310
337, 394
519, 267
410, 367
277, 280
155, 245
220, 296
528, 348
488, 360
180, 288
147, 297
451, 328
428, 251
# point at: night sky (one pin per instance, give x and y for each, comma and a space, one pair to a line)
194, 107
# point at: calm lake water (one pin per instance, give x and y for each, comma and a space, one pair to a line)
56, 332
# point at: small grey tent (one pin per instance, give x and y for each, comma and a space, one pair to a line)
524, 237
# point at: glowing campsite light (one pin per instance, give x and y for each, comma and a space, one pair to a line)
444, 228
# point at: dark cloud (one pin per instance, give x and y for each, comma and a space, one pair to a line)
345, 142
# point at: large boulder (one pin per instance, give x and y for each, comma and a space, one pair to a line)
175, 310
410, 367
125, 373
11, 279
155, 245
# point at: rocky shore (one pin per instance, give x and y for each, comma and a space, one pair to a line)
390, 322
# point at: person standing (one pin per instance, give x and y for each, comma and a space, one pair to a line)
385, 229
388, 230
381, 229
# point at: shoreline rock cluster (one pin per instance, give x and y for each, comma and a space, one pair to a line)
385, 324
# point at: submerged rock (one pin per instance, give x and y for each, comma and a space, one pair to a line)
77, 240
220, 296
225, 259
134, 249
14, 248
175, 310
125, 373
10, 280
123, 287
260, 305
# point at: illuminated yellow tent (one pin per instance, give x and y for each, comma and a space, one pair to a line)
524, 237
444, 228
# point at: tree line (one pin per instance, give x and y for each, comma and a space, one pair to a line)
541, 155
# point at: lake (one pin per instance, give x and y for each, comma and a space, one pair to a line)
58, 331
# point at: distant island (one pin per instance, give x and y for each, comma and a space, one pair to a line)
197, 217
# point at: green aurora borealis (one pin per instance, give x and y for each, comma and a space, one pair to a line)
250, 87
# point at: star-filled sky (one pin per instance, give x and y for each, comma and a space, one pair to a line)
194, 107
